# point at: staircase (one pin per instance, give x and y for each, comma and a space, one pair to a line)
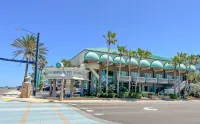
171, 90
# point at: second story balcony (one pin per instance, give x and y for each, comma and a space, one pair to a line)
163, 81
151, 80
124, 78
140, 79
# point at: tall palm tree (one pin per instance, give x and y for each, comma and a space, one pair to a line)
66, 63
141, 54
26, 47
121, 52
191, 60
110, 39
181, 58
130, 54
174, 62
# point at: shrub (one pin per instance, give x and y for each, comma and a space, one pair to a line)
151, 93
98, 95
123, 89
126, 95
144, 94
136, 95
165, 94
195, 90
173, 96
111, 95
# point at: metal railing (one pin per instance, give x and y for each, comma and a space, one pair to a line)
162, 81
140, 79
124, 78
151, 80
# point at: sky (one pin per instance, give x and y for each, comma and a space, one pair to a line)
164, 27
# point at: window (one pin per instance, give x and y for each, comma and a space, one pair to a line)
159, 76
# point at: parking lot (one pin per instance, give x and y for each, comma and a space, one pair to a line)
165, 112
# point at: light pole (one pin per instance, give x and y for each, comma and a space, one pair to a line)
36, 57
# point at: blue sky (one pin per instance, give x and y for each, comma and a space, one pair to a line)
66, 27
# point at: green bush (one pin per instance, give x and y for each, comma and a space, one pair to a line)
144, 94
111, 95
151, 93
136, 95
165, 94
123, 89
126, 95
195, 90
98, 94
173, 96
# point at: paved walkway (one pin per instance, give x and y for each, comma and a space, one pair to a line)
40, 113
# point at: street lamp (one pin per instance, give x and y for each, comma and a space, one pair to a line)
36, 57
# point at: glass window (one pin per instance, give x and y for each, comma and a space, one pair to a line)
159, 76
134, 74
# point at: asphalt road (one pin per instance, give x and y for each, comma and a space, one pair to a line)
165, 112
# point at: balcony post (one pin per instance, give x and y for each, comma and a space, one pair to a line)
164, 74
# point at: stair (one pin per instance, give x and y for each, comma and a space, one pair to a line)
171, 90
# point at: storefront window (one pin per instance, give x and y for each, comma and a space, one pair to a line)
159, 76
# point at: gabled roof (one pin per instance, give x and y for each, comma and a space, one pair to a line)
105, 50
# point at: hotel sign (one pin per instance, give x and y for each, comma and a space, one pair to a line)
70, 72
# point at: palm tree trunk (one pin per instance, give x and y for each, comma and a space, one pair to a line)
137, 79
185, 92
174, 82
107, 68
119, 77
129, 68
26, 71
179, 87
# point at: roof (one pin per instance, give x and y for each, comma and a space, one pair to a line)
105, 50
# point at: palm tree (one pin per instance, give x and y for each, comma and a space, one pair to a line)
130, 54
66, 63
110, 39
191, 60
121, 52
181, 58
174, 62
141, 54
26, 47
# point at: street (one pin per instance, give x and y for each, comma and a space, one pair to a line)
13, 112
146, 112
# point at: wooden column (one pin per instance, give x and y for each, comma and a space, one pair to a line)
50, 82
72, 87
54, 88
100, 78
82, 88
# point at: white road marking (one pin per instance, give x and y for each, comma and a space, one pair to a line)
73, 104
84, 108
150, 109
89, 110
99, 114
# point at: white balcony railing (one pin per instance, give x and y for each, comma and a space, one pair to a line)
162, 81
139, 79
151, 80
124, 78
172, 81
